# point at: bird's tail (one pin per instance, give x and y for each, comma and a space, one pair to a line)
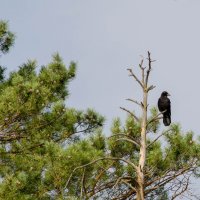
166, 120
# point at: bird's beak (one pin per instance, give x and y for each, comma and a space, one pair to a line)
168, 94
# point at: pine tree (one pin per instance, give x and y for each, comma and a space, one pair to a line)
36, 127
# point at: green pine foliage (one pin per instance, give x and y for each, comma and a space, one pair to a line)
41, 139
6, 41
6, 37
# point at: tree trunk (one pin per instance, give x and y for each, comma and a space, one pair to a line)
140, 171
140, 189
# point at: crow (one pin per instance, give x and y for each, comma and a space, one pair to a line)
164, 106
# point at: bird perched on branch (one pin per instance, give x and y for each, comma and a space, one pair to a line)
164, 106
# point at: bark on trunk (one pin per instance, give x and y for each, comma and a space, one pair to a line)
140, 172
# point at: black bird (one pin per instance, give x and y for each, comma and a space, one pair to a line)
164, 106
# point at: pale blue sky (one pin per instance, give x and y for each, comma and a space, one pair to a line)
107, 36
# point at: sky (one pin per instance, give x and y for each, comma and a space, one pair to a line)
105, 37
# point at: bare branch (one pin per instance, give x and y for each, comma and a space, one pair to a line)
128, 140
135, 77
134, 101
131, 113
149, 67
142, 69
125, 135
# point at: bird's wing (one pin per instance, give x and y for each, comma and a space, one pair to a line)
169, 106
160, 104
